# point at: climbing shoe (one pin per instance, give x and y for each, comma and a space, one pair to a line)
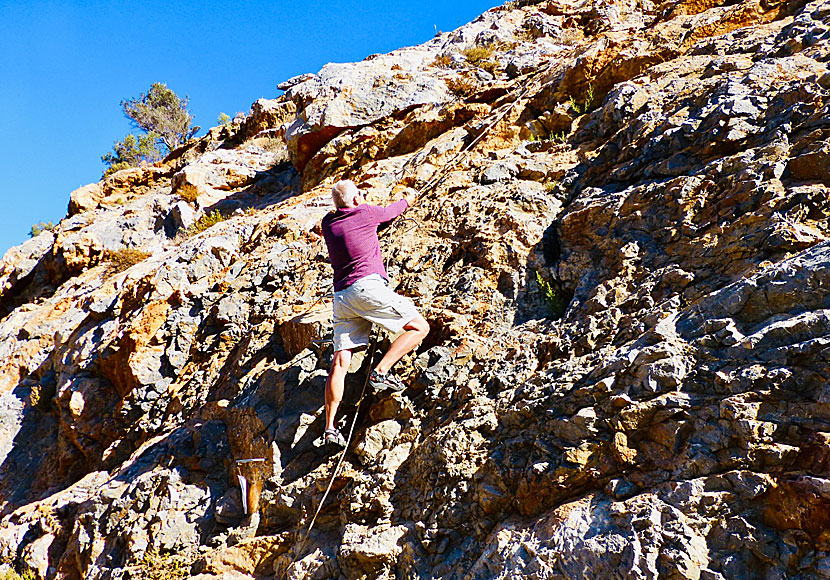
382, 382
334, 437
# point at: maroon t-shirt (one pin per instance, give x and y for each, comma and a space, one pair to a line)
351, 235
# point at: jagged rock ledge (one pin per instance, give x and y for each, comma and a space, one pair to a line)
627, 284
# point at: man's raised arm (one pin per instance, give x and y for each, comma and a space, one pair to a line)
384, 215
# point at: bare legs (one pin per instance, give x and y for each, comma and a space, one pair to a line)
414, 332
335, 383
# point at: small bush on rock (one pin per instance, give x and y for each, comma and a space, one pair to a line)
164, 118
460, 86
8, 573
273, 144
132, 152
489, 65
157, 566
442, 61
41, 227
204, 222
120, 260
525, 35
475, 55
586, 104
556, 298
188, 192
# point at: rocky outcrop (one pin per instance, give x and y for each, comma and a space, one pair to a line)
625, 279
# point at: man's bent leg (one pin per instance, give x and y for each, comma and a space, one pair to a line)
414, 332
335, 384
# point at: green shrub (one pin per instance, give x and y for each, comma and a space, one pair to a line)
204, 222
8, 573
489, 65
586, 104
475, 55
120, 260
166, 122
556, 298
188, 192
131, 152
162, 112
41, 227
157, 566
225, 120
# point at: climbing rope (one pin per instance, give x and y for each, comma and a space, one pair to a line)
464, 151
336, 471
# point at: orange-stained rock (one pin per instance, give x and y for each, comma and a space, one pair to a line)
85, 198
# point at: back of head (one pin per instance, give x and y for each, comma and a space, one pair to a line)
343, 193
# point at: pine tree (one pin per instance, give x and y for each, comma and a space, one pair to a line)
166, 122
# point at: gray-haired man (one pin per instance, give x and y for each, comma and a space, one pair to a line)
361, 296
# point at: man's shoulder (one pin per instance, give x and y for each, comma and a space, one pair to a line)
333, 214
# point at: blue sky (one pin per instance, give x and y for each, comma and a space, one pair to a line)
66, 66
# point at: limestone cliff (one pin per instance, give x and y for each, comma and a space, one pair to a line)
627, 282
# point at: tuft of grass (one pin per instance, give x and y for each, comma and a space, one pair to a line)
273, 144
442, 61
120, 260
204, 222
516, 4
525, 35
157, 566
550, 187
556, 298
8, 573
460, 86
491, 66
582, 107
188, 192
475, 55
35, 396
561, 137
41, 227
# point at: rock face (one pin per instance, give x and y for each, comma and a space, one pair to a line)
626, 279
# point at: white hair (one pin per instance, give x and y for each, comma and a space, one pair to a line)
343, 193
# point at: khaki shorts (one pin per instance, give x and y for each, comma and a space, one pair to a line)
368, 301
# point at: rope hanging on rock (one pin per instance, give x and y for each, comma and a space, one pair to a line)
464, 151
336, 471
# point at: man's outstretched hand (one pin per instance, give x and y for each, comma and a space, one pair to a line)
410, 195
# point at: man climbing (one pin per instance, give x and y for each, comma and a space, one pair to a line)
361, 296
